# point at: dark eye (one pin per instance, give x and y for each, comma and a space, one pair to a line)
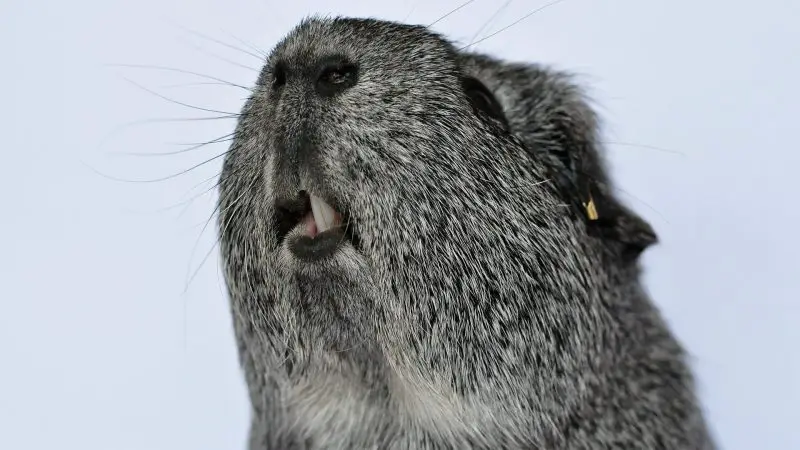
483, 100
278, 77
336, 75
340, 74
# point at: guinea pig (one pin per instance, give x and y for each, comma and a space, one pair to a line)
423, 250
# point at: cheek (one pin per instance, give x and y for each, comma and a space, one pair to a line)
352, 164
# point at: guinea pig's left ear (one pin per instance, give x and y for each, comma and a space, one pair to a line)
573, 154
610, 220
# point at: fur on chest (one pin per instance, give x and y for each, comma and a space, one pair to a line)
342, 414
336, 414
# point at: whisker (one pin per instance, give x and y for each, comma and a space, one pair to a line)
344, 234
451, 12
119, 129
178, 119
196, 244
645, 146
617, 188
513, 23
648, 206
235, 204
229, 135
218, 177
491, 19
413, 7
226, 138
262, 53
199, 108
220, 42
221, 58
203, 83
216, 185
188, 283
188, 202
155, 180
176, 70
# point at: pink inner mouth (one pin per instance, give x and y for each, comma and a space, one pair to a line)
310, 224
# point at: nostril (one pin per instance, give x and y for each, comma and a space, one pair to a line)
336, 75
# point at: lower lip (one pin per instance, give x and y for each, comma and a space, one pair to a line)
317, 246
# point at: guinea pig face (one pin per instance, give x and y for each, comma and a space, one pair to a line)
374, 192
351, 129
373, 186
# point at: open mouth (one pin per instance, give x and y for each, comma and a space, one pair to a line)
322, 227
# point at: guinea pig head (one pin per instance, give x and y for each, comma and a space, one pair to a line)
347, 144
377, 192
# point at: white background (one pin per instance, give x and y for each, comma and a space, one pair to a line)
100, 348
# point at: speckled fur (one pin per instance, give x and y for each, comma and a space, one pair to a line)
482, 308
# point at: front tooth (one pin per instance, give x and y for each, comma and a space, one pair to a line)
323, 214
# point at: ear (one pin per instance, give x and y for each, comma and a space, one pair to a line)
554, 120
582, 179
608, 219
483, 100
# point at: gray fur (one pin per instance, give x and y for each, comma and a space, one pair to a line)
482, 309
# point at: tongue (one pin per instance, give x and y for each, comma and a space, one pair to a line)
325, 217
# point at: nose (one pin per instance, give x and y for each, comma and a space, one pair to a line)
308, 90
334, 75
